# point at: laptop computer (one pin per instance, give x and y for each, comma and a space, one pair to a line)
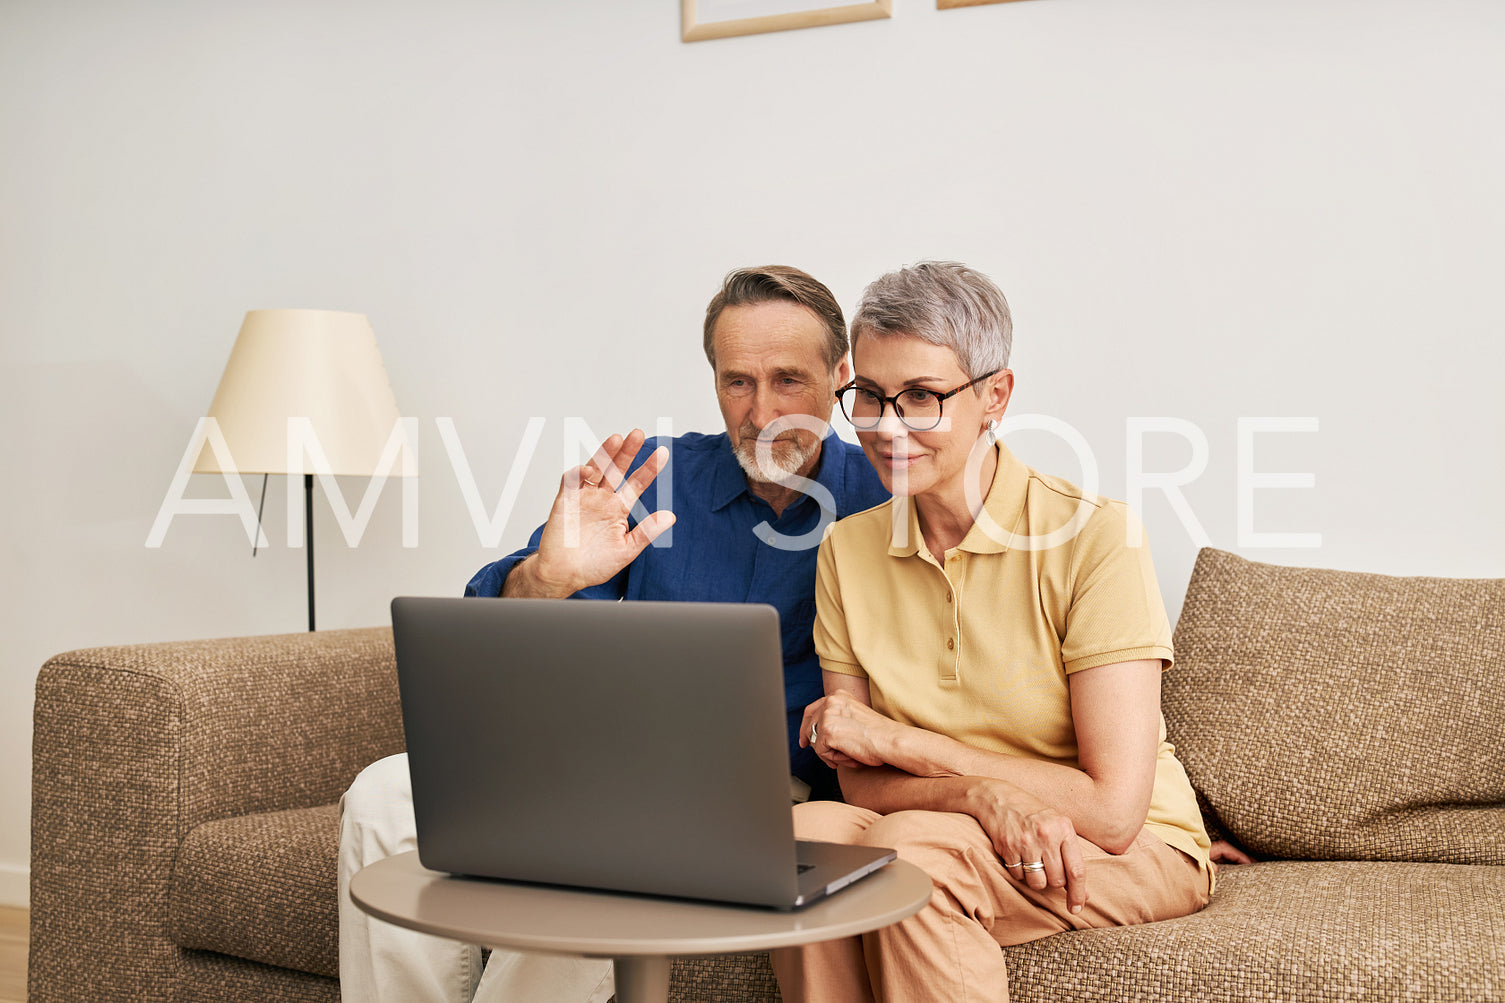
633, 747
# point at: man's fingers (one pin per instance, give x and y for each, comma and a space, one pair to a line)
643, 476
651, 528
602, 464
621, 457
608, 465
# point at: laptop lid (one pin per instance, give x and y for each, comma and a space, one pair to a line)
633, 746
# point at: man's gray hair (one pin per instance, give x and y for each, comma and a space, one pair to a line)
942, 303
747, 286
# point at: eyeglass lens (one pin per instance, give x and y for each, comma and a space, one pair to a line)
917, 408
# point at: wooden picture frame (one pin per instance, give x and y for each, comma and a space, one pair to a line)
953, 4
698, 22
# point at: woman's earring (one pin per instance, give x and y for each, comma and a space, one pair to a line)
992, 429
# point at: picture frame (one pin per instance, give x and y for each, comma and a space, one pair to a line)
701, 20
953, 4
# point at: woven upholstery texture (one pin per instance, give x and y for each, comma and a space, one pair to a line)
135, 746
1297, 932
205, 977
722, 978
274, 695
261, 887
103, 835
1334, 715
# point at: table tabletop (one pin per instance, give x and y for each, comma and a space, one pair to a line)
572, 921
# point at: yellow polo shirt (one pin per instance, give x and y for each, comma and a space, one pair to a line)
1044, 585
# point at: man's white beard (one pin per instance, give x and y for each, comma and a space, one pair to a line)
781, 462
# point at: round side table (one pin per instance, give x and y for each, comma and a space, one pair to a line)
639, 934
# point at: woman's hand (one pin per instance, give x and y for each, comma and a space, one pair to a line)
1224, 852
1024, 831
845, 731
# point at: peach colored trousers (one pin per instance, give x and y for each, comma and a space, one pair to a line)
950, 949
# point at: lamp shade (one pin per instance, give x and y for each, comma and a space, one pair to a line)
322, 365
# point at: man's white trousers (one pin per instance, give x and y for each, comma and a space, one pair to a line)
382, 963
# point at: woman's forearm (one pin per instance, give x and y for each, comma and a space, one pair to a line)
1106, 796
1036, 844
1100, 812
886, 790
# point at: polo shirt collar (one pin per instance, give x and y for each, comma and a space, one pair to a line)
1003, 508
904, 542
728, 482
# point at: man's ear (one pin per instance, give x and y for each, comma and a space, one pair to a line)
842, 374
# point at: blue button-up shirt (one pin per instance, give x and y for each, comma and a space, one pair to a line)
726, 545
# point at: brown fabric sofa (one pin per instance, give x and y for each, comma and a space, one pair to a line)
184, 814
1349, 729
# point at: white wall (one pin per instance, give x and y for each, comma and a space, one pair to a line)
1199, 208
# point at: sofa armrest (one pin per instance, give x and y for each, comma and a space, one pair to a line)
134, 746
241, 725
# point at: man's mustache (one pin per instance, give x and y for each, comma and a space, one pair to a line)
749, 432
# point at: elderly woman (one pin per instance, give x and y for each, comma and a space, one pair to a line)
991, 643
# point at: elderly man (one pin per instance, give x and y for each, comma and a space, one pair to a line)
748, 509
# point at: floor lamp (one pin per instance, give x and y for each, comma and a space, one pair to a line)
319, 365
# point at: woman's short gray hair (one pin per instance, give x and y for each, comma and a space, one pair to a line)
942, 303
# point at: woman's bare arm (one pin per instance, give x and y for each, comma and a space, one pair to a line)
1116, 713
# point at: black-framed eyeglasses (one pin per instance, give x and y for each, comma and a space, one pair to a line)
919, 409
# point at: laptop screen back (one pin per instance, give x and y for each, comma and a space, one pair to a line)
633, 746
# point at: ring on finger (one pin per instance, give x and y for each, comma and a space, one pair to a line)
1013, 865
813, 728
1033, 866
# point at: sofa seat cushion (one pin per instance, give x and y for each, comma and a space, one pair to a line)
1280, 931
261, 887
1294, 930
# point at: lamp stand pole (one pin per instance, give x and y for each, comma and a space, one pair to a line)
308, 540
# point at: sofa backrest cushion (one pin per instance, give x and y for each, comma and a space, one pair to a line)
1343, 716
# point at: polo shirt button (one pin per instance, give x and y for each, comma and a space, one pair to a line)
948, 596
950, 643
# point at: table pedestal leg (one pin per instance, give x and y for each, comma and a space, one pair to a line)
641, 980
